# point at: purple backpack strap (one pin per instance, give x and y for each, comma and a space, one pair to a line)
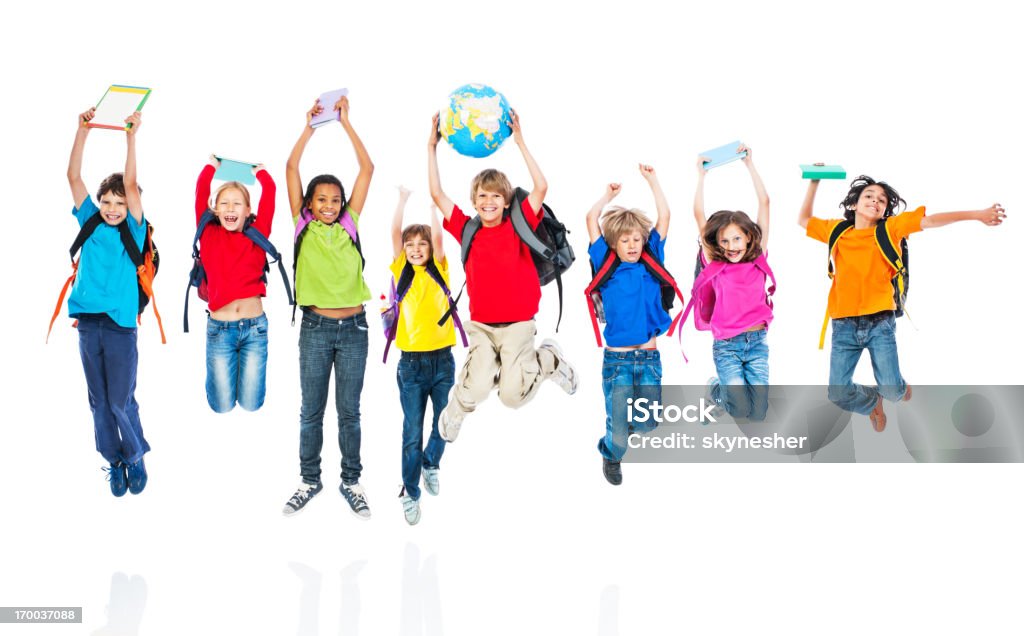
710, 270
304, 218
346, 221
392, 330
761, 262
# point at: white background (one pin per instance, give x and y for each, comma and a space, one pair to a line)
526, 536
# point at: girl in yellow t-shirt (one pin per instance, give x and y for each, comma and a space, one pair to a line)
427, 368
861, 302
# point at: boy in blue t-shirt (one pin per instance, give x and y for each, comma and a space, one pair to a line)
105, 301
633, 312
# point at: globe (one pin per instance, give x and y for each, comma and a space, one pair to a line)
476, 121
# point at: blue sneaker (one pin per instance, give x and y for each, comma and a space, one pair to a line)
356, 498
137, 476
117, 478
301, 497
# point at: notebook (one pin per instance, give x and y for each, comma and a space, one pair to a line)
117, 104
232, 170
722, 155
328, 100
811, 171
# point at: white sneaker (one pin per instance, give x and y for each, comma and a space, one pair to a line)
430, 480
565, 374
356, 498
448, 426
411, 507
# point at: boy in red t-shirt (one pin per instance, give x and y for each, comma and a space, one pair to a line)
504, 294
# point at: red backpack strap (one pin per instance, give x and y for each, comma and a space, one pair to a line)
601, 276
60, 301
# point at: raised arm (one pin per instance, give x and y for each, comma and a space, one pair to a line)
540, 184
268, 195
807, 208
132, 196
78, 190
435, 234
991, 216
594, 215
203, 186
441, 199
762, 195
291, 170
357, 198
660, 202
396, 221
698, 197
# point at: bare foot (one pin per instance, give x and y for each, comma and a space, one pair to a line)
877, 416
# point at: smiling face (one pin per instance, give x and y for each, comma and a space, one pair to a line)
734, 242
326, 203
232, 209
490, 205
113, 207
629, 246
417, 249
871, 204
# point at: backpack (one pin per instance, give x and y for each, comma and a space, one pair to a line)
197, 277
602, 274
549, 243
146, 262
389, 315
898, 260
702, 295
302, 224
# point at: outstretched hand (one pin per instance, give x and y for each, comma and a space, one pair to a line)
517, 129
342, 107
745, 148
648, 173
86, 117
258, 167
992, 216
133, 122
701, 160
612, 191
214, 161
314, 111
403, 192
435, 131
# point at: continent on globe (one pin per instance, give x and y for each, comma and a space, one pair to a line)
476, 121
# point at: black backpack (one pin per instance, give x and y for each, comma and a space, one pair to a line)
549, 243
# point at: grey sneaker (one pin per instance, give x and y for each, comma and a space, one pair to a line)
301, 497
565, 374
448, 425
411, 507
430, 480
356, 498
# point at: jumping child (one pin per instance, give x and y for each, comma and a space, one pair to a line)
329, 287
504, 294
861, 302
634, 315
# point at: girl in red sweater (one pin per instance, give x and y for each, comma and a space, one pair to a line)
236, 330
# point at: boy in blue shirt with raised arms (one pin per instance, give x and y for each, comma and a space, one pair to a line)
105, 301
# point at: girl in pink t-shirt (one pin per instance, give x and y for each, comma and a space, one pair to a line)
731, 300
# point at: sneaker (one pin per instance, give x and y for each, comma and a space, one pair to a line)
448, 426
301, 497
612, 472
137, 476
356, 498
430, 480
117, 478
565, 374
411, 507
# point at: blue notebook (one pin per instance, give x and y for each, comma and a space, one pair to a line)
231, 170
722, 155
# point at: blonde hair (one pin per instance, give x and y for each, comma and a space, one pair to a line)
617, 221
493, 181
232, 185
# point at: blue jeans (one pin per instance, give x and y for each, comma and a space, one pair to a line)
742, 366
325, 343
110, 360
850, 336
236, 363
626, 374
422, 375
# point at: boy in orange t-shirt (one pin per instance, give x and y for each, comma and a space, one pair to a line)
860, 302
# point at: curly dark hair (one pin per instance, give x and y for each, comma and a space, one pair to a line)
328, 179
892, 198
